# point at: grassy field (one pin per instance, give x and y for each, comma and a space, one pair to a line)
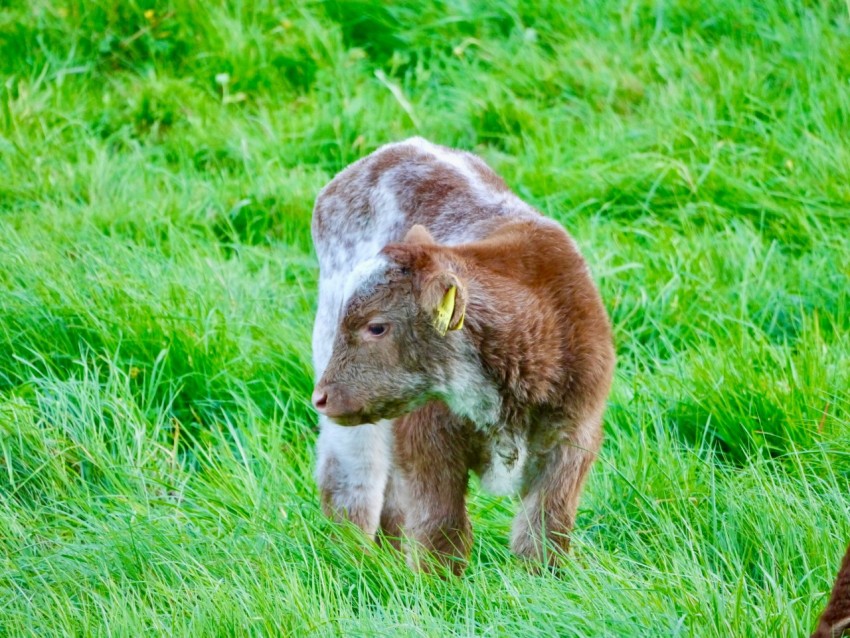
158, 165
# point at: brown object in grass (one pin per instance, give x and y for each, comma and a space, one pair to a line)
835, 619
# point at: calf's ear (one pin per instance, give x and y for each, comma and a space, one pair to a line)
414, 251
418, 234
444, 296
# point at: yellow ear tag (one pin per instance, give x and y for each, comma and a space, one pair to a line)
445, 310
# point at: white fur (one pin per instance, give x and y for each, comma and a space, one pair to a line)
468, 393
366, 273
363, 455
503, 476
384, 203
331, 288
460, 164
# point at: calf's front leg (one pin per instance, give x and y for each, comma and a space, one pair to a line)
433, 465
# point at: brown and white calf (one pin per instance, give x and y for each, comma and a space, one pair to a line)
457, 329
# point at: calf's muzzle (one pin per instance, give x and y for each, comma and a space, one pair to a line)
336, 402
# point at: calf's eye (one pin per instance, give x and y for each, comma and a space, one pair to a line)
376, 329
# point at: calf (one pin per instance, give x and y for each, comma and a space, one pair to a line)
835, 619
457, 329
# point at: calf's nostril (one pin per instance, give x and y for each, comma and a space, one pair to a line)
320, 399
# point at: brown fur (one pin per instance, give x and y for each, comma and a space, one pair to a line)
433, 456
542, 334
538, 322
835, 620
540, 329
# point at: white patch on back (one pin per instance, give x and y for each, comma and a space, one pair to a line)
496, 202
384, 203
459, 164
503, 475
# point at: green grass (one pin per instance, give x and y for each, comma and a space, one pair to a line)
158, 165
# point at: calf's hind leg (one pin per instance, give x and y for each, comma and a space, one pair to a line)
352, 469
550, 499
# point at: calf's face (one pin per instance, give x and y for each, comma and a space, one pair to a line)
395, 337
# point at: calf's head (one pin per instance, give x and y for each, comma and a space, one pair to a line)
398, 333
